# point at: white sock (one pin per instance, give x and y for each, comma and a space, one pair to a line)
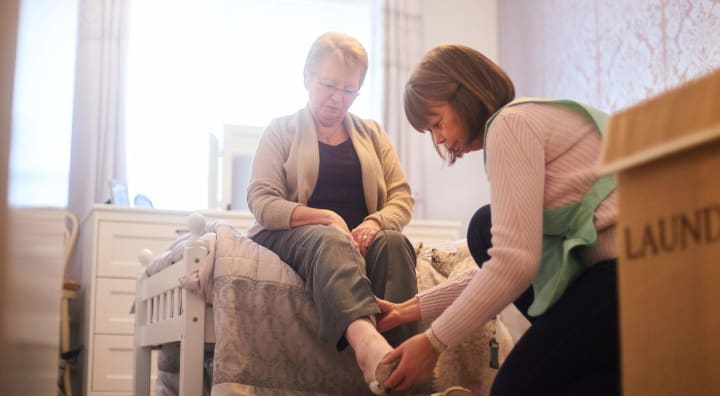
370, 346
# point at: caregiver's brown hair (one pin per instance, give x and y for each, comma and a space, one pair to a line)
471, 83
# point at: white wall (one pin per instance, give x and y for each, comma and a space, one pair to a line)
454, 193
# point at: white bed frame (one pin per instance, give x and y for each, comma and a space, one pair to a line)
165, 312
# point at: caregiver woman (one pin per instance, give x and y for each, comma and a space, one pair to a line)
550, 239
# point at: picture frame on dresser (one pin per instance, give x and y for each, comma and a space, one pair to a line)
119, 193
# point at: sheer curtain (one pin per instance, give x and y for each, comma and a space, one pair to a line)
195, 66
98, 134
400, 43
98, 140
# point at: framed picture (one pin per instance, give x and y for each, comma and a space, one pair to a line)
119, 193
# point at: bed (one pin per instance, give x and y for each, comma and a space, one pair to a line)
214, 286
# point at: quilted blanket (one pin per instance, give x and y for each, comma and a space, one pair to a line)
266, 324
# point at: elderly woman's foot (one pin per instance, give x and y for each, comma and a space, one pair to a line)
369, 358
382, 372
370, 347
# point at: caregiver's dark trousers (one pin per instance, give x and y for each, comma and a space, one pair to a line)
342, 283
571, 349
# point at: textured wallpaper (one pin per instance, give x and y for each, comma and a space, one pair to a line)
609, 53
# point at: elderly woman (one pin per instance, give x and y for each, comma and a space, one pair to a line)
330, 198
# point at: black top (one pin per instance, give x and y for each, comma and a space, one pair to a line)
339, 185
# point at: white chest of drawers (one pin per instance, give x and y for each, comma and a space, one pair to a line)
110, 240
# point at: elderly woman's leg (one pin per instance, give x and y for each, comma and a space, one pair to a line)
334, 274
333, 271
390, 261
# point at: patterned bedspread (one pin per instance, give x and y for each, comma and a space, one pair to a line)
265, 322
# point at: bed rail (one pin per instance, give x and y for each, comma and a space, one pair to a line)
165, 312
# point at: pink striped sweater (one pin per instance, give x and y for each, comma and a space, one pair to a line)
540, 156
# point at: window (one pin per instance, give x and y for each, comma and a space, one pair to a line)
43, 103
195, 66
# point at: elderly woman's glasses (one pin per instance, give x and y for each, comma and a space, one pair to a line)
330, 89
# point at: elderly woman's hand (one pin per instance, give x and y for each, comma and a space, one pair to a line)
335, 220
392, 315
364, 234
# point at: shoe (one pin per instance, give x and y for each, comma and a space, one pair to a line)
454, 391
382, 372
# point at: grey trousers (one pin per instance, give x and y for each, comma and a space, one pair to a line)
342, 283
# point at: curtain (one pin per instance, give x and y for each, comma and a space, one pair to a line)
400, 43
98, 136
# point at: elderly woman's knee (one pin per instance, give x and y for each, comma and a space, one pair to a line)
391, 239
322, 236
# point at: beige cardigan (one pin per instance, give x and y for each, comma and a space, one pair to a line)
285, 171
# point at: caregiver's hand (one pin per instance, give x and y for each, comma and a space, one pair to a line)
392, 315
417, 360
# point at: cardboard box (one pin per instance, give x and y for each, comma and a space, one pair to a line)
665, 153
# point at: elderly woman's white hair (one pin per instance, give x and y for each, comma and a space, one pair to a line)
345, 48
